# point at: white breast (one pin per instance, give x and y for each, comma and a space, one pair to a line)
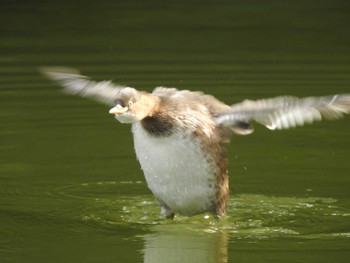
177, 170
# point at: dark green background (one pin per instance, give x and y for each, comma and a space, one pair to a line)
71, 189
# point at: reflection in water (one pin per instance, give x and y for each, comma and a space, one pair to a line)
175, 243
201, 238
114, 218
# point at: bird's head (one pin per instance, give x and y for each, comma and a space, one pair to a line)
132, 105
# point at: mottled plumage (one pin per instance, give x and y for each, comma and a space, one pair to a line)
179, 136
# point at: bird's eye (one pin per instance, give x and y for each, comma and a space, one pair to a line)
130, 103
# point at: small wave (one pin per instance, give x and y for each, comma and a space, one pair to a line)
108, 205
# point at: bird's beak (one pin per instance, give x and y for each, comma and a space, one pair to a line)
117, 110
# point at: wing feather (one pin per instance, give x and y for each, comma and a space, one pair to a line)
286, 111
76, 84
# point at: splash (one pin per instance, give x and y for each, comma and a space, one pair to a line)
249, 216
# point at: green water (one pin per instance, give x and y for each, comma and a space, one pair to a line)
71, 189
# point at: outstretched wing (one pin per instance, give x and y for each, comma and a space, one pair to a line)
76, 84
286, 111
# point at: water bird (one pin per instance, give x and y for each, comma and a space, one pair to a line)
179, 135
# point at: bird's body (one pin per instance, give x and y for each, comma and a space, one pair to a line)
179, 136
179, 172
183, 159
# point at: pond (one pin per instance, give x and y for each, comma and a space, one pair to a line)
71, 189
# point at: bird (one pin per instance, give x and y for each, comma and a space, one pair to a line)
180, 135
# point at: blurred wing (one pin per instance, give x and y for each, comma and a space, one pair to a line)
76, 84
286, 111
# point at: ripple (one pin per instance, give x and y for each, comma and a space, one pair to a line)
249, 216
99, 190
107, 206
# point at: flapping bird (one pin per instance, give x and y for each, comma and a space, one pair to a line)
179, 135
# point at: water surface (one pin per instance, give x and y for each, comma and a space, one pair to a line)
71, 189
